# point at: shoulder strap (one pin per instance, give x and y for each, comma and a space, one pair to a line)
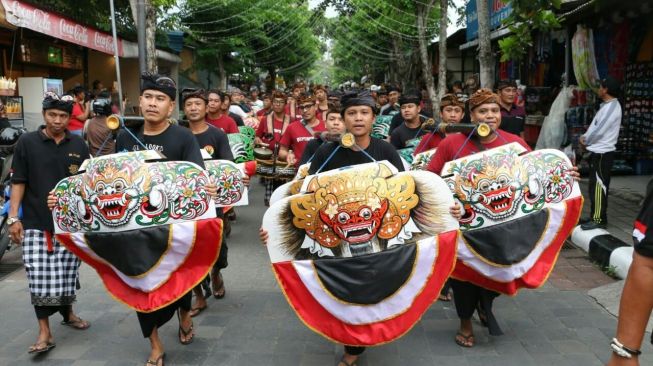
286, 122
308, 128
270, 123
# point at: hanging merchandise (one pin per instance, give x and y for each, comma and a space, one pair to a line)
584, 61
637, 141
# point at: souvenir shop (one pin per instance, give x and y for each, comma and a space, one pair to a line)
617, 41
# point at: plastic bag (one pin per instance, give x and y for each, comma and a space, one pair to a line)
553, 131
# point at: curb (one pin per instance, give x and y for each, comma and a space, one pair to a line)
605, 249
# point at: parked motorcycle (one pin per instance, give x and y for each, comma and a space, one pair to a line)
8, 139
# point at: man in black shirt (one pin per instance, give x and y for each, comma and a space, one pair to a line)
41, 159
358, 112
215, 142
411, 128
175, 143
391, 107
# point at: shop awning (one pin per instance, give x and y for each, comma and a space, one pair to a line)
21, 14
494, 35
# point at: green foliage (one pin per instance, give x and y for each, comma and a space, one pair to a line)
365, 35
249, 35
527, 16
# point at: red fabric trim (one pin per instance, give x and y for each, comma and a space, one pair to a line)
48, 241
640, 227
322, 322
539, 273
188, 275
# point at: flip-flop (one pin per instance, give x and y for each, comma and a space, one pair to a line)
467, 342
77, 324
185, 333
197, 311
36, 350
445, 298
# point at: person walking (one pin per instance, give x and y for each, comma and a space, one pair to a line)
41, 159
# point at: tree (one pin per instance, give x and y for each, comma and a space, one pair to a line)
442, 53
249, 36
527, 16
423, 12
485, 47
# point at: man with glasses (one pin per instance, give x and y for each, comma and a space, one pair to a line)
512, 116
299, 133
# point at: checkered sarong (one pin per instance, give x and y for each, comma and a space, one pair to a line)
270, 186
52, 277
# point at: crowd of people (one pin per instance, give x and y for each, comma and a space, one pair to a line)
297, 126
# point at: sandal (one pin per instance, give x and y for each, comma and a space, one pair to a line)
343, 361
466, 341
46, 346
185, 333
156, 362
79, 324
444, 297
220, 292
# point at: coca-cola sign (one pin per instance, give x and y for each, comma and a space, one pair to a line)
27, 16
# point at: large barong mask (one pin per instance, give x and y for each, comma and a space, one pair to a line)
362, 252
518, 210
140, 224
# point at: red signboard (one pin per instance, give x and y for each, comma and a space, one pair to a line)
25, 15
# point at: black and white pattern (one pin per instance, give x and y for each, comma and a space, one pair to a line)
52, 277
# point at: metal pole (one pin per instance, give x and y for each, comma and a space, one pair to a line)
567, 57
115, 56
140, 25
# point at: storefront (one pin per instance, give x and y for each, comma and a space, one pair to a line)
42, 44
615, 39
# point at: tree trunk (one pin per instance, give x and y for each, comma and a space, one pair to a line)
150, 36
423, 11
222, 73
403, 65
442, 50
485, 47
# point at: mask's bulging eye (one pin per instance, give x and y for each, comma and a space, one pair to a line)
366, 213
343, 217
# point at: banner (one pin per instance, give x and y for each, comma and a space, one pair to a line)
498, 12
27, 16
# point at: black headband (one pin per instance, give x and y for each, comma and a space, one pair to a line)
160, 83
356, 99
52, 101
407, 99
188, 93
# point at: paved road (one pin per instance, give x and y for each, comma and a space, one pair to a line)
555, 325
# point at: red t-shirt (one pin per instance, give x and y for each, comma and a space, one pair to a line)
262, 130
297, 137
225, 123
452, 144
428, 142
321, 114
75, 124
298, 113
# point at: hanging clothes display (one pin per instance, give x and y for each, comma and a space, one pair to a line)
584, 61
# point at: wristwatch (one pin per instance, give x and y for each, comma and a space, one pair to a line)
12, 220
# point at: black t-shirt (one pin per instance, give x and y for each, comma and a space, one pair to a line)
216, 143
235, 117
378, 149
175, 142
390, 110
40, 164
310, 149
512, 124
403, 133
643, 233
398, 120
